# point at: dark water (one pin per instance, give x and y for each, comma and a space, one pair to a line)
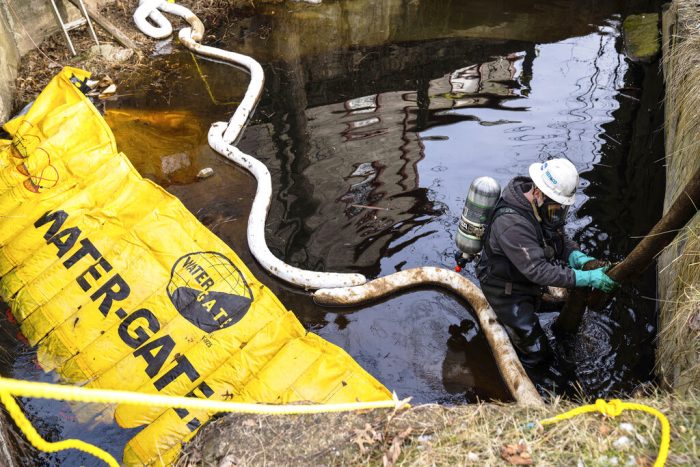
398, 105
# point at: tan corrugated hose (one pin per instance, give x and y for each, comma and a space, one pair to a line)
507, 360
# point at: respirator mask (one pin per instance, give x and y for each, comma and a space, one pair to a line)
553, 214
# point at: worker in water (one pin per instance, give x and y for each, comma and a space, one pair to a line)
525, 250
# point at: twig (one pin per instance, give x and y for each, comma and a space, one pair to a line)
369, 207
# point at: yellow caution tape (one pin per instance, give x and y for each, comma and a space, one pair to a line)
13, 387
614, 408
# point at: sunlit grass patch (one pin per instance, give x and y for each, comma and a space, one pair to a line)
479, 434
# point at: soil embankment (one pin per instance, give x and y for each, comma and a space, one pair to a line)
678, 350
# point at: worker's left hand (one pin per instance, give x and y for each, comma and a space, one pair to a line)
577, 259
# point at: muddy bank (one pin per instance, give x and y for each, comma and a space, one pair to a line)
24, 27
678, 350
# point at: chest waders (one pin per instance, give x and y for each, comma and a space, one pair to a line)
513, 297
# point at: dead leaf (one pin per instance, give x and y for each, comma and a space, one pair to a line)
392, 454
105, 81
366, 436
604, 429
108, 91
516, 454
229, 461
389, 457
644, 461
694, 320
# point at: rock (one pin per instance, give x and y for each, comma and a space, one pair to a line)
641, 34
205, 173
164, 47
627, 428
9, 62
174, 162
622, 443
111, 52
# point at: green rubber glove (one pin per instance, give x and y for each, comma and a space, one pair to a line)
596, 279
578, 258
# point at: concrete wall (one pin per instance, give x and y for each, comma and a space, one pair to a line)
30, 20
9, 61
679, 265
24, 23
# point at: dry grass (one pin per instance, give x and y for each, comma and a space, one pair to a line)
678, 353
439, 435
681, 64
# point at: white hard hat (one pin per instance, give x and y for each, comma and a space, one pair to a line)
556, 178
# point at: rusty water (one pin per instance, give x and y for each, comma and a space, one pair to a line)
375, 119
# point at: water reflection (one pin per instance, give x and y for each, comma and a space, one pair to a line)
292, 30
351, 186
406, 340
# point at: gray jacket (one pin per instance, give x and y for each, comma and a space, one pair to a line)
515, 237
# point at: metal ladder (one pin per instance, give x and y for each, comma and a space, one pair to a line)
65, 27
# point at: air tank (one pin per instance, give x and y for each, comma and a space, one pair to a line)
481, 198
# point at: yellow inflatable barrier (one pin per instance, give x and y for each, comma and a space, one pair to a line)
120, 287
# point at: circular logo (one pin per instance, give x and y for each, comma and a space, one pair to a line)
209, 291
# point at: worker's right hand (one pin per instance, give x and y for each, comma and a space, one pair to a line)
596, 279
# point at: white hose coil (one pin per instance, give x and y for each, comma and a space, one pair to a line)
149, 9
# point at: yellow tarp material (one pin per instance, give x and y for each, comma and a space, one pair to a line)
122, 288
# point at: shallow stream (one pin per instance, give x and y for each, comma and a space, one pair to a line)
375, 119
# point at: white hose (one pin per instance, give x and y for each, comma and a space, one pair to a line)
223, 136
